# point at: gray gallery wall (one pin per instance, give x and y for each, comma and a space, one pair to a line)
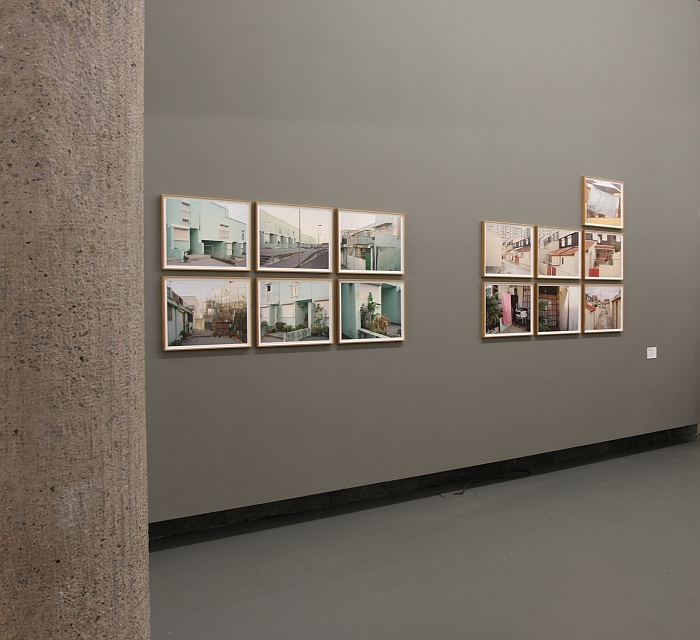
452, 112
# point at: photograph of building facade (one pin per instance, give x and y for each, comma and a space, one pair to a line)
507, 310
507, 249
603, 202
602, 308
371, 311
206, 313
294, 312
370, 241
603, 255
558, 254
293, 238
558, 309
205, 234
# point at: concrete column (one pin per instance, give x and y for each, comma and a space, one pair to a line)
73, 519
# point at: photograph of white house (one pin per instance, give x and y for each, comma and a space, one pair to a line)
602, 308
558, 253
507, 249
603, 202
293, 238
206, 313
506, 310
558, 309
370, 241
206, 234
294, 312
371, 311
603, 255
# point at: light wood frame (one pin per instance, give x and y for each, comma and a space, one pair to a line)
587, 269
504, 285
578, 296
487, 246
587, 287
300, 209
184, 266
370, 272
297, 343
379, 338
166, 280
615, 223
578, 260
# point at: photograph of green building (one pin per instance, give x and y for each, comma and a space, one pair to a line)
371, 241
205, 234
371, 311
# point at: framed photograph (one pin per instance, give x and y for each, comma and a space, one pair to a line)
293, 237
294, 312
371, 311
603, 255
558, 253
506, 310
558, 309
602, 305
205, 313
603, 202
507, 249
370, 241
205, 233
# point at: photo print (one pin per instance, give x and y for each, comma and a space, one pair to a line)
603, 202
205, 313
602, 308
205, 234
370, 241
507, 310
558, 253
294, 312
507, 249
603, 255
371, 312
558, 309
293, 238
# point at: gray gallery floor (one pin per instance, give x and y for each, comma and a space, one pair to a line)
604, 550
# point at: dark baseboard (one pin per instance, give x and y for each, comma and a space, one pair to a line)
540, 462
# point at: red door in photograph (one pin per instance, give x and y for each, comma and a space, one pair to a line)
594, 273
551, 271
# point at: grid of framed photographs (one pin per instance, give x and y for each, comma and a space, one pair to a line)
206, 311
578, 271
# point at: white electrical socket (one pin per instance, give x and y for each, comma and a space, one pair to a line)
651, 353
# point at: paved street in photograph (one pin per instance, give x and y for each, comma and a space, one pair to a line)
203, 260
309, 259
508, 267
204, 336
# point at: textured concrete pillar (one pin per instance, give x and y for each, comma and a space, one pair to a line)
73, 521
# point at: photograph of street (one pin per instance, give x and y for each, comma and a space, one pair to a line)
603, 204
206, 313
205, 234
294, 312
507, 310
293, 238
507, 249
370, 241
558, 309
602, 308
603, 255
371, 311
558, 254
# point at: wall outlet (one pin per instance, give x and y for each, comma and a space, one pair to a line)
651, 353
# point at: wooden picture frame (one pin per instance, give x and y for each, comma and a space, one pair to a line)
559, 254
205, 312
371, 311
506, 250
205, 234
370, 242
294, 312
507, 309
602, 202
603, 257
603, 308
558, 309
294, 238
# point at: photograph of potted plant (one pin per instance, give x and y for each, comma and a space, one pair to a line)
559, 309
506, 310
371, 311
